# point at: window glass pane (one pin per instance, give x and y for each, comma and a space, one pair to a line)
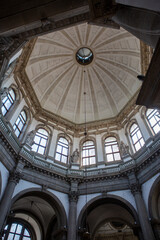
59, 149
13, 227
19, 228
37, 139
134, 138
108, 149
58, 157
8, 104
142, 142
115, 148
117, 157
63, 140
11, 92
6, 227
92, 160
20, 126
43, 142
43, 131
91, 152
110, 139
26, 233
65, 151
109, 157
156, 129
11, 236
139, 135
26, 238
4, 111
85, 161
17, 132
41, 150
17, 237
34, 147
64, 159
137, 146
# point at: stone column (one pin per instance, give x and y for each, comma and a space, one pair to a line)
72, 219
7, 197
142, 212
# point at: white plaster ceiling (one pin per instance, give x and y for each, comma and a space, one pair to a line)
109, 81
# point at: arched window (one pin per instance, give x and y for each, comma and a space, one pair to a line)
112, 149
8, 101
16, 231
62, 150
136, 137
40, 141
88, 153
20, 123
153, 117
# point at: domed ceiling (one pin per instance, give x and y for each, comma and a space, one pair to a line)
101, 88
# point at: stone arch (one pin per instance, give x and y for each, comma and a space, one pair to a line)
101, 202
154, 207
45, 204
153, 199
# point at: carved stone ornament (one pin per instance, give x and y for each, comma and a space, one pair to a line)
135, 188
30, 138
73, 196
124, 149
75, 156
15, 177
3, 92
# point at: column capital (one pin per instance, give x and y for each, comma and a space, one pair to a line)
135, 188
15, 176
73, 196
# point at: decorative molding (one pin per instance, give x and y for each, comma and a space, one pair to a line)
146, 55
15, 176
135, 188
73, 196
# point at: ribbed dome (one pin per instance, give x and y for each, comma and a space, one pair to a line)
109, 80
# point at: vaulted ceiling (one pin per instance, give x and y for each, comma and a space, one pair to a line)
109, 81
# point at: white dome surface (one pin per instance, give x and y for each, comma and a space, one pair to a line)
110, 80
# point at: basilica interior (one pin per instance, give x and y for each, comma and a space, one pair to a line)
80, 120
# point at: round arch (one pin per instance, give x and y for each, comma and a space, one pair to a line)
103, 200
154, 194
50, 198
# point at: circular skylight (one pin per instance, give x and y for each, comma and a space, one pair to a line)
84, 56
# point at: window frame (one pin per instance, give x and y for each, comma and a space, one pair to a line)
38, 144
62, 147
116, 142
82, 142
24, 224
20, 119
151, 128
9, 98
135, 133
70, 145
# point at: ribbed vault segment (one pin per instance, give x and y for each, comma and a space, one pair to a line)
59, 81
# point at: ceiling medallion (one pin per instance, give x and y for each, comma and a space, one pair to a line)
84, 56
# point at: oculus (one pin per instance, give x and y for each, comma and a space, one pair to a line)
84, 56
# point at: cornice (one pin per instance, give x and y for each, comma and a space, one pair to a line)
97, 175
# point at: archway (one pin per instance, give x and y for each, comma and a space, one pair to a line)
40, 209
108, 211
154, 207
